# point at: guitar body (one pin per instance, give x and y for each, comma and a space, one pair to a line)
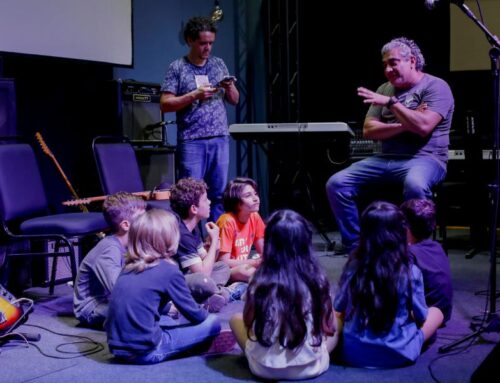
9, 315
160, 195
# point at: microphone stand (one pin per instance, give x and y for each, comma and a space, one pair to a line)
493, 322
149, 129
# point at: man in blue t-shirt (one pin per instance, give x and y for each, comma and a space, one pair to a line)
411, 114
196, 87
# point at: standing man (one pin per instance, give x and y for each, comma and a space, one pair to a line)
195, 88
411, 114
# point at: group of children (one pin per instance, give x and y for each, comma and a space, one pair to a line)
393, 294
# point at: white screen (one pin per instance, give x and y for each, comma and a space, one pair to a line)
93, 30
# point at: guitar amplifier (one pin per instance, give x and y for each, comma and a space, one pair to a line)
138, 111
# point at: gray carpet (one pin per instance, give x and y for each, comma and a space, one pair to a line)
63, 362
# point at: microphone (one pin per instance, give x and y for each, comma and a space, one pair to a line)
31, 337
430, 4
157, 125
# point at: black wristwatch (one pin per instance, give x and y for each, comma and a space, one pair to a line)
393, 100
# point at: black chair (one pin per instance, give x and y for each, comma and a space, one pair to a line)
25, 215
118, 169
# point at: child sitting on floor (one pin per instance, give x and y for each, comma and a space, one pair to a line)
287, 327
205, 276
102, 265
429, 255
381, 298
241, 227
148, 282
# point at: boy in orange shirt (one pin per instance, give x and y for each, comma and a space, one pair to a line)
241, 227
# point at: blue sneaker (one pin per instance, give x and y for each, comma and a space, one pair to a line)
236, 290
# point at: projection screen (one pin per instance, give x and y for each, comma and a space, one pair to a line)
91, 30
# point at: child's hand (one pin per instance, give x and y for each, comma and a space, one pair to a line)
213, 232
255, 262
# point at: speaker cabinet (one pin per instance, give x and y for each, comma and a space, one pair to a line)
138, 111
8, 117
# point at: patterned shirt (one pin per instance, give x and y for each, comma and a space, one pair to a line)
202, 118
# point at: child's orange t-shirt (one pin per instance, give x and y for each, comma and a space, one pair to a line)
237, 238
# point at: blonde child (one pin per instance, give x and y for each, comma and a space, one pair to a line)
148, 282
100, 268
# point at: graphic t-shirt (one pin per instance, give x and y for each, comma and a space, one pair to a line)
237, 238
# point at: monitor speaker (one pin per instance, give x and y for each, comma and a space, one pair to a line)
489, 368
8, 117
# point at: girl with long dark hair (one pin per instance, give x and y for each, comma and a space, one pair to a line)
381, 295
287, 326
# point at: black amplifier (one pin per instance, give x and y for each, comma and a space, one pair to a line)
140, 92
139, 115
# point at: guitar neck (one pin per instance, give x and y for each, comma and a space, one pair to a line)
49, 153
147, 195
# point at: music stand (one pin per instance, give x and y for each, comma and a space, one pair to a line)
493, 322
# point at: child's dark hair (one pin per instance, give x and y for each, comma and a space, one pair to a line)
196, 25
185, 193
121, 206
378, 265
289, 289
234, 193
421, 217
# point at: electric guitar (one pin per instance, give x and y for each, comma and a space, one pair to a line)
49, 153
9, 313
147, 195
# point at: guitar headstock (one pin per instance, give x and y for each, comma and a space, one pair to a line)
42, 143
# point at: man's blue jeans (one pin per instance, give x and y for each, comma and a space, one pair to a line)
178, 339
417, 175
206, 159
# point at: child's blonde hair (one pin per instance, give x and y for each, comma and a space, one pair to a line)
153, 236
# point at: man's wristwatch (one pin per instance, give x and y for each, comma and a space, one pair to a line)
393, 100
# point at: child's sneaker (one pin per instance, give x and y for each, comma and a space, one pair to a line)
173, 312
215, 303
236, 290
222, 343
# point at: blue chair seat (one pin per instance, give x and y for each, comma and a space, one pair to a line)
68, 224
